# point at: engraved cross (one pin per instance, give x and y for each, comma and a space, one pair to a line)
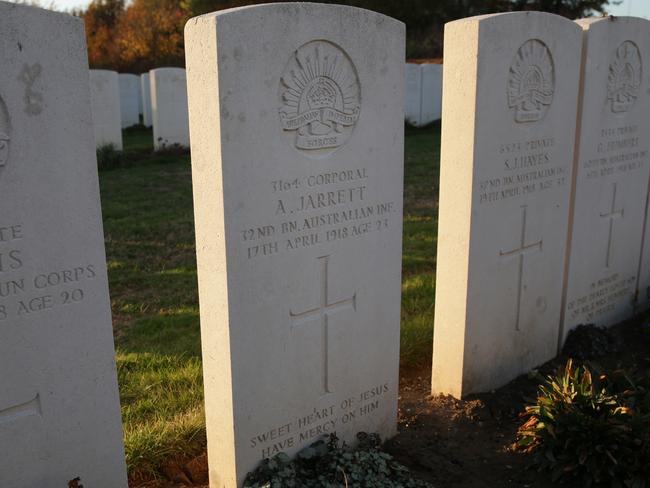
612, 215
27, 409
322, 314
520, 252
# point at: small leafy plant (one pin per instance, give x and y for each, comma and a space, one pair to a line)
591, 431
328, 464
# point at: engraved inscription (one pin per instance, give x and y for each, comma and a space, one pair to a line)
528, 168
320, 98
531, 82
5, 134
309, 427
26, 409
322, 313
24, 294
317, 209
520, 253
624, 80
620, 150
612, 215
33, 99
604, 296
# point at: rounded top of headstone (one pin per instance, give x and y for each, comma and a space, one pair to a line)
290, 9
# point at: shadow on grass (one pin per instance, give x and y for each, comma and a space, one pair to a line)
149, 228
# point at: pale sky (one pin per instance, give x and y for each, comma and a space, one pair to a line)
638, 8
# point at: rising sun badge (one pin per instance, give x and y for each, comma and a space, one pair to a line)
531, 82
320, 97
624, 79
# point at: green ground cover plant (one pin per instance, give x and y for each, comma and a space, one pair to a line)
149, 230
330, 464
591, 429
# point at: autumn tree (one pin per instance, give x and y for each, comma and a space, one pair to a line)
101, 19
150, 35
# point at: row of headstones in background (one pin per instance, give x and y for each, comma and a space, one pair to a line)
130, 99
541, 227
145, 93
106, 107
59, 405
169, 115
423, 93
160, 96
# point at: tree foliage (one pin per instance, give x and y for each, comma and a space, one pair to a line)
144, 34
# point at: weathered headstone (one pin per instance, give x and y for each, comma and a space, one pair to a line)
611, 173
511, 85
105, 103
169, 107
431, 93
146, 99
59, 404
297, 161
129, 99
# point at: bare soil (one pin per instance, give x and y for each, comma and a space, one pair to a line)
462, 443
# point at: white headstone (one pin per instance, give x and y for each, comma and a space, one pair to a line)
431, 93
105, 103
423, 93
297, 162
413, 94
59, 404
611, 173
130, 99
510, 101
146, 99
169, 107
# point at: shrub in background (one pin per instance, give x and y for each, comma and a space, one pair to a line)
108, 157
591, 432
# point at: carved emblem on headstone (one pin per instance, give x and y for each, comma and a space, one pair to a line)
5, 134
624, 80
531, 81
320, 96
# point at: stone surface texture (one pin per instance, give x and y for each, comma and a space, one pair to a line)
297, 159
59, 404
611, 173
509, 114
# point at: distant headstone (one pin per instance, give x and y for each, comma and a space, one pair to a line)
511, 85
169, 107
59, 404
105, 103
423, 93
297, 162
146, 99
431, 92
611, 173
413, 94
130, 99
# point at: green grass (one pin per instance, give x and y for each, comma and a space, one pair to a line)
149, 227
